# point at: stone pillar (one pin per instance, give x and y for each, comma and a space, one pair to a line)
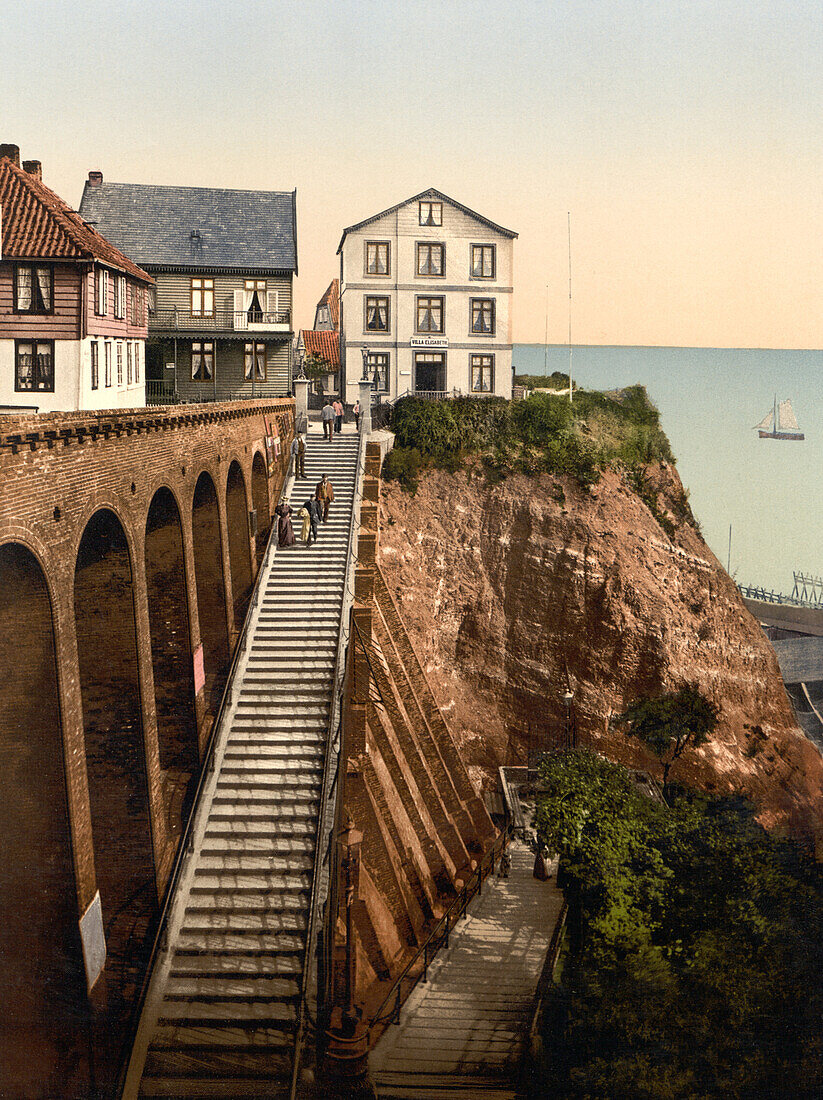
301, 404
365, 406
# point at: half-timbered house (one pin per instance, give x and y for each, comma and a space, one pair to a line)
73, 308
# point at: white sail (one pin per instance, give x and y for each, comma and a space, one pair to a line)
765, 424
786, 420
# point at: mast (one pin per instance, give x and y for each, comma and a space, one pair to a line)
569, 224
546, 338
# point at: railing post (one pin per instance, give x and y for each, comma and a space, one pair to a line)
395, 1019
426, 961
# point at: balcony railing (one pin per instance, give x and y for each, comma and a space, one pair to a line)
178, 320
160, 392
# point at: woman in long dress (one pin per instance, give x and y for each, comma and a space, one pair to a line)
285, 531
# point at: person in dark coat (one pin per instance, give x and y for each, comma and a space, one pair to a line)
285, 531
324, 494
313, 508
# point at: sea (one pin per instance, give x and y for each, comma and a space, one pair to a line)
767, 493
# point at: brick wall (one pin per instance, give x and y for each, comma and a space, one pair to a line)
56, 471
406, 789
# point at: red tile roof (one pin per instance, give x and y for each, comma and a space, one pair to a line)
332, 299
38, 225
324, 344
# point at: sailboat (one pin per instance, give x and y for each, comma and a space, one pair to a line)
780, 423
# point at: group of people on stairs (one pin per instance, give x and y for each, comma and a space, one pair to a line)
312, 512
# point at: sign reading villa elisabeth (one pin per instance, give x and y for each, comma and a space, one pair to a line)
428, 342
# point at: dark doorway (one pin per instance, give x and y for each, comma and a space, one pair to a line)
171, 654
239, 551
211, 592
115, 763
43, 1005
260, 495
430, 372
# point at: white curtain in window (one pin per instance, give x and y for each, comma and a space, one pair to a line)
44, 283
23, 288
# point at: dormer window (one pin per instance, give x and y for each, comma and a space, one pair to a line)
431, 213
33, 288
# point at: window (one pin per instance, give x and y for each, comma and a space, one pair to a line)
202, 297
483, 316
134, 315
120, 296
151, 300
377, 314
128, 363
95, 365
378, 366
377, 257
101, 292
431, 213
33, 289
484, 261
108, 363
119, 363
482, 368
137, 362
34, 366
254, 361
202, 360
430, 315
256, 297
431, 259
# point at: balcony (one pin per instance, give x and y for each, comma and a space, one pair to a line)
178, 322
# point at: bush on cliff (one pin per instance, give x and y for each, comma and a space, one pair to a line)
542, 433
695, 964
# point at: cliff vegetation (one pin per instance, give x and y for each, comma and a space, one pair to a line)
550, 548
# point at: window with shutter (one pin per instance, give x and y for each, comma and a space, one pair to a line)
272, 306
241, 319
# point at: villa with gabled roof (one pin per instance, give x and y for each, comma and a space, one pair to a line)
220, 325
426, 291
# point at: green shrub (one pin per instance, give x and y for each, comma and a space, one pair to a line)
404, 464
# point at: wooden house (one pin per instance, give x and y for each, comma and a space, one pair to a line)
73, 308
323, 341
220, 324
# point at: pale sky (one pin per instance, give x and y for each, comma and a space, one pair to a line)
685, 138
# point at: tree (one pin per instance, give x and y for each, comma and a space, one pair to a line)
316, 367
670, 724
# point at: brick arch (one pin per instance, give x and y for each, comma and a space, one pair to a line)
208, 519
41, 979
237, 526
113, 731
170, 641
260, 500
104, 502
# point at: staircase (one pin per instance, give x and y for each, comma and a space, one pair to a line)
222, 1010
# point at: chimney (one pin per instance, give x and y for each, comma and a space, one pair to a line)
34, 168
95, 178
12, 152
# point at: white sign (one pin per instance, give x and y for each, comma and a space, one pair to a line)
93, 939
428, 342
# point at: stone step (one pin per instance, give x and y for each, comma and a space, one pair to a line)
228, 944
274, 1014
248, 989
239, 875
252, 919
271, 844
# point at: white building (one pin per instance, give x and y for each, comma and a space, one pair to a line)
426, 291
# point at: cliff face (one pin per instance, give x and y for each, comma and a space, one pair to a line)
508, 589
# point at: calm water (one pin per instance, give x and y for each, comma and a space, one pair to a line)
709, 400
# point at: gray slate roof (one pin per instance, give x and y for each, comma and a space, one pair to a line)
243, 230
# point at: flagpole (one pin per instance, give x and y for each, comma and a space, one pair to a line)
569, 224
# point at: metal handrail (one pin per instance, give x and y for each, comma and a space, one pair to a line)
184, 845
439, 936
338, 675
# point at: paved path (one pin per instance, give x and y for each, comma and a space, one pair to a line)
461, 1034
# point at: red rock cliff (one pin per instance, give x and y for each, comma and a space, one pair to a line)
505, 587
